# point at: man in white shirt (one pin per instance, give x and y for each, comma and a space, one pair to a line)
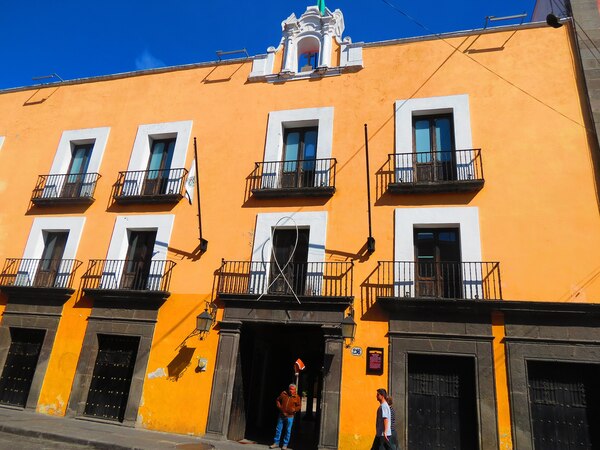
383, 424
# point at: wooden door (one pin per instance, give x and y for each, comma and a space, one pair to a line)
433, 142
111, 379
139, 260
159, 165
442, 411
20, 365
438, 271
289, 261
300, 154
75, 179
54, 248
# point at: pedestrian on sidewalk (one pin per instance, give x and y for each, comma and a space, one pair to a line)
383, 423
288, 403
394, 439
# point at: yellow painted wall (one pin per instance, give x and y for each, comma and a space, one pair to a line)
538, 210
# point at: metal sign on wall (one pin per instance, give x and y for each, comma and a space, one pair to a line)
374, 361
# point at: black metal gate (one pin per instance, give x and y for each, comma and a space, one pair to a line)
20, 365
564, 406
441, 403
111, 380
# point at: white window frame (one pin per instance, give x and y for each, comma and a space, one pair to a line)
278, 122
35, 247
142, 145
1, 141
406, 110
64, 153
119, 243
262, 249
406, 220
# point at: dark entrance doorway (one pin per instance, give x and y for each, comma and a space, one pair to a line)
564, 400
111, 379
441, 403
265, 367
20, 365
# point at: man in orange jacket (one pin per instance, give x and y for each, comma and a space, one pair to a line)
288, 404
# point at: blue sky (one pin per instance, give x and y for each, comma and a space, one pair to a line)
79, 38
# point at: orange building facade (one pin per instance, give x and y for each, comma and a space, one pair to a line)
469, 267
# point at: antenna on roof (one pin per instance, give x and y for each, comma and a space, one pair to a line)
489, 19
45, 77
231, 52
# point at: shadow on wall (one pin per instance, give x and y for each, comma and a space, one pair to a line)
178, 365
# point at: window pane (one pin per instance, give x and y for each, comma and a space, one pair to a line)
310, 150
292, 145
443, 138
422, 141
156, 157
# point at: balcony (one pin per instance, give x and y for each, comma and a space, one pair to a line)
311, 282
77, 188
438, 280
123, 275
39, 274
448, 171
150, 186
298, 178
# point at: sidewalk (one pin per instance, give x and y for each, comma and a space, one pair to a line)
103, 435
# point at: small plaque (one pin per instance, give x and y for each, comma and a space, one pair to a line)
356, 351
374, 361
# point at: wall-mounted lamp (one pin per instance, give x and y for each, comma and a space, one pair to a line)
348, 326
205, 320
553, 21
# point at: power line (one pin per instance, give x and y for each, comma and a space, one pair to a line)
440, 37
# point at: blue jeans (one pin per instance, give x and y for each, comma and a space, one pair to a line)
288, 421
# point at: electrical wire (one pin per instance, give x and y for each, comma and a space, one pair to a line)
483, 66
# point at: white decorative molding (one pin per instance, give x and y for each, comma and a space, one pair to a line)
70, 138
162, 223
406, 220
279, 121
406, 110
316, 222
119, 244
315, 32
64, 153
140, 155
1, 141
35, 247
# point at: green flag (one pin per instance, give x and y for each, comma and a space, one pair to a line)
321, 6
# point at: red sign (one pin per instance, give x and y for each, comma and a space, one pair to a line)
374, 361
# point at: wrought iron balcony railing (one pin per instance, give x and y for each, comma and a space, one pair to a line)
39, 273
65, 188
303, 177
456, 170
128, 275
311, 279
453, 280
165, 185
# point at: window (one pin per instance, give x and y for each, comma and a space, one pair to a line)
433, 144
308, 54
48, 268
289, 261
77, 183
159, 163
437, 257
300, 153
138, 260
156, 166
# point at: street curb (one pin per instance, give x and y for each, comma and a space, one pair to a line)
62, 438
